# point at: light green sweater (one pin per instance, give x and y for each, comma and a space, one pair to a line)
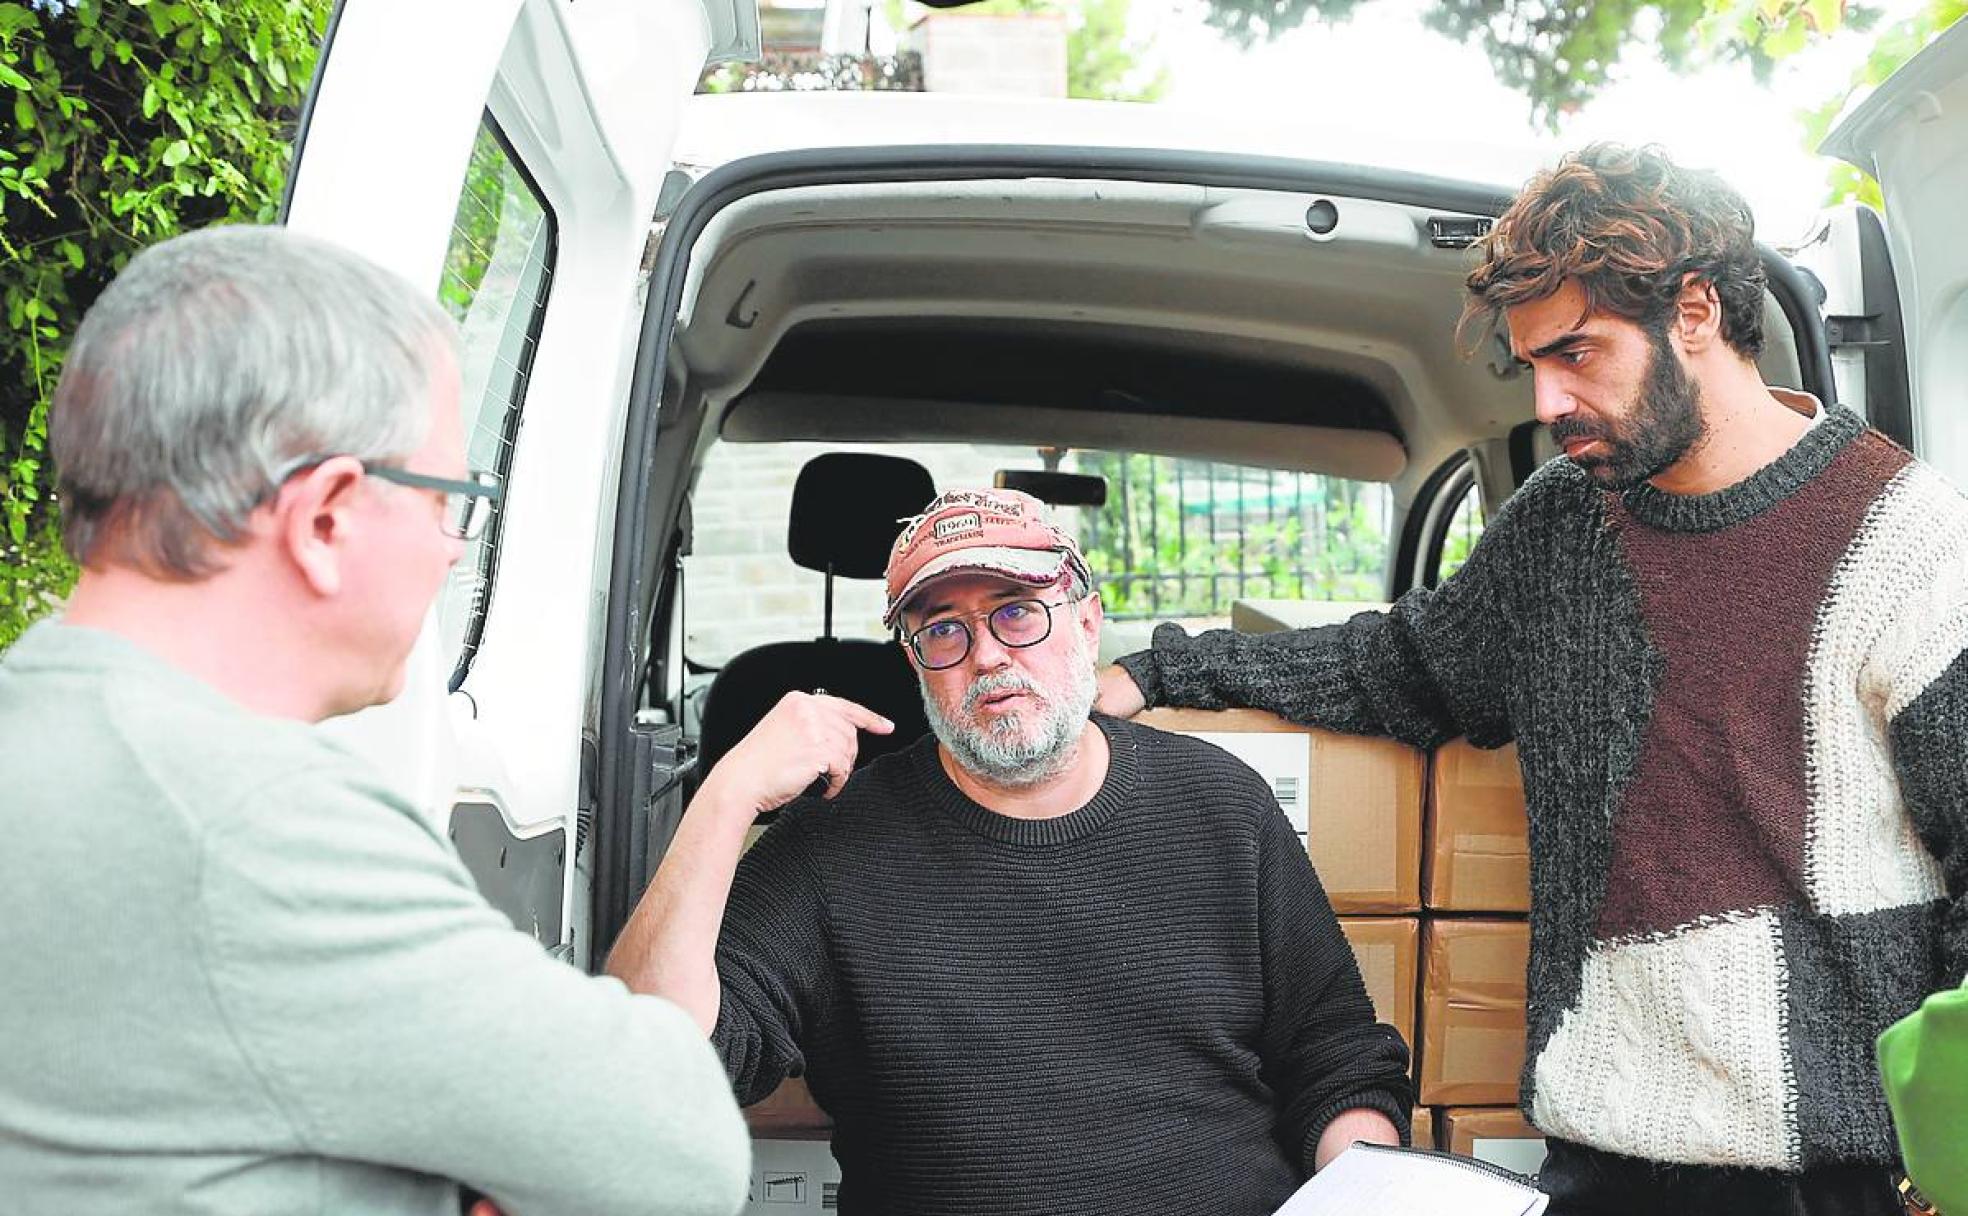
240, 975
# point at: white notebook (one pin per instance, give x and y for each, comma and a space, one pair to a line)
1371, 1178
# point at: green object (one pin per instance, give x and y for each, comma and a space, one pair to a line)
1923, 1060
121, 124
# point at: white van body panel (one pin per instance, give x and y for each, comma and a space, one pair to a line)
588, 98
721, 127
1912, 135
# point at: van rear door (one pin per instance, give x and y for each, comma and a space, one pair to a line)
1912, 135
506, 155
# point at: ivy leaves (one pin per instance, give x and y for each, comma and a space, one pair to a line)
122, 122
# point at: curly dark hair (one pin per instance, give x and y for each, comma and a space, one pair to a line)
1628, 225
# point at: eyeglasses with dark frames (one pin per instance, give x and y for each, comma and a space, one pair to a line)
468, 503
1016, 624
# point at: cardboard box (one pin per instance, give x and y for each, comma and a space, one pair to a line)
1270, 616
1472, 1011
789, 1113
1424, 1128
1478, 856
1359, 800
1498, 1135
791, 1178
1389, 950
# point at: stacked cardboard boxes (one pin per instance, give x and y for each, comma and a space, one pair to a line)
1478, 858
1496, 1134
1432, 890
1476, 888
1355, 801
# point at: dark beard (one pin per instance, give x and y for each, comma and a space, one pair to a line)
1665, 424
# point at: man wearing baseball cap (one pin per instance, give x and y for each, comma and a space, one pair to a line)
1039, 961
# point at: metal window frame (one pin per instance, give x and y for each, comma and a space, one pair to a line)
487, 574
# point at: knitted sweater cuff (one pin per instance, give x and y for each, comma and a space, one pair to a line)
1366, 1099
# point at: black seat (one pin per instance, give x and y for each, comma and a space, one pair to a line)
847, 508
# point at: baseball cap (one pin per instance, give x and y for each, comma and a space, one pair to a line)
1000, 532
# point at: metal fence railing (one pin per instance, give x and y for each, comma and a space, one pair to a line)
1186, 537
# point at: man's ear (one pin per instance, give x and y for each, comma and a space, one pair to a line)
1093, 615
1697, 323
315, 521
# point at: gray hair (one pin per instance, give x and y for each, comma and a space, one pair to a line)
215, 366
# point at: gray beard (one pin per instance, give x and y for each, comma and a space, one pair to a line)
999, 752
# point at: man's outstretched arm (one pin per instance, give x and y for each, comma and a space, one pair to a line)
1423, 672
1437, 664
669, 946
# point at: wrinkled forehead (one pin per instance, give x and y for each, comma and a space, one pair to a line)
1560, 320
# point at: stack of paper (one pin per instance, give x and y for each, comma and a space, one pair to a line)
1370, 1178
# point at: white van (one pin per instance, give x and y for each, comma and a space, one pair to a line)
1044, 285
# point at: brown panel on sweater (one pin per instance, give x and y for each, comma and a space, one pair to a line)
1715, 817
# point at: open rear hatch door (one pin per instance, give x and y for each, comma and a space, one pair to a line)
506, 156
1912, 135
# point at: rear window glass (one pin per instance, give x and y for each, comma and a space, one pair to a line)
1178, 539
498, 271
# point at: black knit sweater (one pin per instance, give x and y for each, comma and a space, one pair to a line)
1143, 1006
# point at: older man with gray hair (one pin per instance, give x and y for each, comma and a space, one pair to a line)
243, 975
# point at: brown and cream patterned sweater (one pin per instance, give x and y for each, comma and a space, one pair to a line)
1743, 724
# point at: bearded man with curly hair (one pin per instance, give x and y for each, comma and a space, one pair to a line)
1726, 631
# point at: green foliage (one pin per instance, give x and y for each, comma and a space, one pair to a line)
1775, 28
121, 124
1185, 538
1103, 63
1894, 46
35, 576
475, 225
1465, 529
1560, 53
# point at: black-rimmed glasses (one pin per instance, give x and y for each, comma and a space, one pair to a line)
1016, 624
467, 504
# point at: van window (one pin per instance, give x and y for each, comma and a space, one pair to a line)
498, 272
1185, 539
1465, 527
1179, 539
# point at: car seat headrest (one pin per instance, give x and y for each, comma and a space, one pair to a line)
848, 507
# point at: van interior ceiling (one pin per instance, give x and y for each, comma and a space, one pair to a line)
1071, 312
1258, 327
1308, 331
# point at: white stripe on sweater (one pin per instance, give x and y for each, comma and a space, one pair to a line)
1674, 1050
1893, 608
